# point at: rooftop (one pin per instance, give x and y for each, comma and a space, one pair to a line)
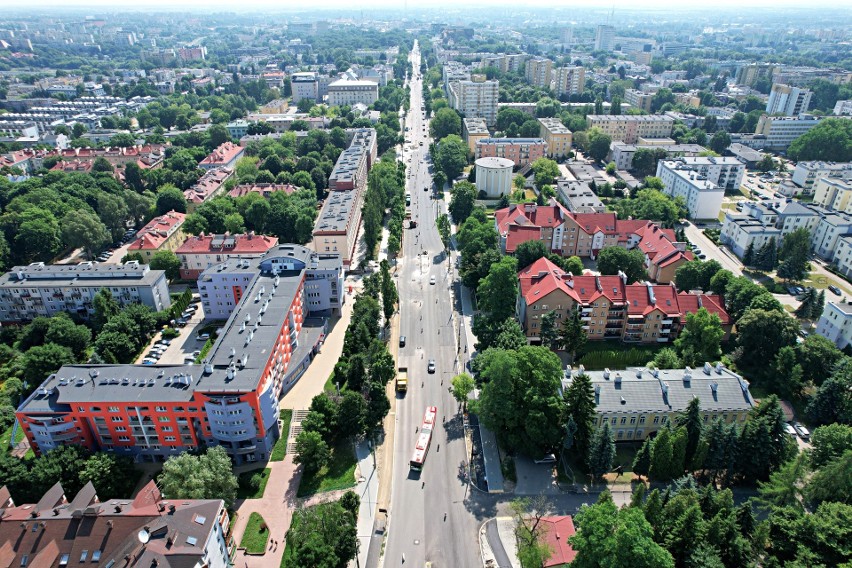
223, 155
155, 233
232, 244
85, 274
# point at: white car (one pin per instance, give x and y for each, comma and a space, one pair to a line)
432, 280
549, 458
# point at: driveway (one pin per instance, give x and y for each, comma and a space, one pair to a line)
182, 345
534, 478
713, 252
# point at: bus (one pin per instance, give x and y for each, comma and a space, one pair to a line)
424, 438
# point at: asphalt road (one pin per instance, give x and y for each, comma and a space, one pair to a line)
417, 530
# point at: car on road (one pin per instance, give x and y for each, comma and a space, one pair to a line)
430, 367
802, 431
402, 341
788, 428
549, 458
834, 290
432, 280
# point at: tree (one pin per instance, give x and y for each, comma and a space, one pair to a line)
323, 535
761, 334
82, 229
205, 476
720, 141
830, 141
492, 293
692, 423
312, 452
351, 414
608, 537
572, 337
528, 513
832, 482
642, 461
645, 160
651, 203
795, 250
451, 157
763, 444
833, 400
612, 260
42, 360
788, 377
63, 331
461, 386
167, 261
170, 198
748, 256
520, 399
548, 330
579, 408
443, 224
445, 122
663, 466
700, 339
599, 144
784, 488
829, 442
110, 474
662, 97
234, 223
601, 452
105, 308
546, 171
529, 252
463, 197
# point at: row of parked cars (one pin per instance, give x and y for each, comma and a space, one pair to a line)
795, 428
128, 235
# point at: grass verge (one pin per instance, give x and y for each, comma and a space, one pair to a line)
252, 484
288, 550
6, 436
338, 474
256, 536
204, 350
280, 449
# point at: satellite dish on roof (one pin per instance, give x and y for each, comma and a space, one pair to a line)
143, 536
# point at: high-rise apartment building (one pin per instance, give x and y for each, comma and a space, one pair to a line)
569, 80
475, 99
604, 38
787, 100
538, 72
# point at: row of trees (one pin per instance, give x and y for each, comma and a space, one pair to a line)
361, 376
385, 190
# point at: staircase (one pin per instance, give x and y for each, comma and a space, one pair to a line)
295, 430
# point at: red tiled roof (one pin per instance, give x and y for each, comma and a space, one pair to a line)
715, 304
155, 233
658, 245
518, 234
207, 185
556, 532
639, 299
223, 154
213, 244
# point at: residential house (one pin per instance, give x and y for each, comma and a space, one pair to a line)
161, 233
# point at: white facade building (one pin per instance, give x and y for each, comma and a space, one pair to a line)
475, 99
843, 108
569, 80
828, 232
833, 193
836, 323
604, 38
806, 174
703, 198
349, 93
304, 86
726, 172
494, 176
788, 100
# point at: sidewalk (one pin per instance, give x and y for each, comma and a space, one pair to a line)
367, 490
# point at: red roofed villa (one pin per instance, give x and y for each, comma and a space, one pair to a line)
225, 156
197, 254
162, 233
609, 307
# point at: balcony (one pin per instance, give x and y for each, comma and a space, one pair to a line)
665, 331
586, 318
244, 449
667, 322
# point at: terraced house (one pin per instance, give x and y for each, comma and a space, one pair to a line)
609, 307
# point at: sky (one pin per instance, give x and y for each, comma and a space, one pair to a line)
290, 5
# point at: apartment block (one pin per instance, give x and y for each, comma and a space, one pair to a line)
833, 193
806, 174
843, 255
230, 399
778, 132
609, 308
828, 232
638, 99
622, 154
843, 108
161, 233
604, 38
637, 402
726, 172
750, 74
569, 81
28, 292
578, 197
586, 234
211, 184
629, 128
538, 72
521, 151
836, 323
787, 100
557, 136
146, 530
475, 99
198, 253
474, 130
703, 198
347, 92
225, 156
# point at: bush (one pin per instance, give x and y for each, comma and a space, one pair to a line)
170, 333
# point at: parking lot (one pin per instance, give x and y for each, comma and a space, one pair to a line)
184, 346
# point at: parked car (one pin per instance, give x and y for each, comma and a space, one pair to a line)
802, 431
788, 428
165, 342
402, 341
834, 290
147, 361
549, 458
431, 280
203, 336
430, 368
701, 256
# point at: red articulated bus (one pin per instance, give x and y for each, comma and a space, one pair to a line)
424, 439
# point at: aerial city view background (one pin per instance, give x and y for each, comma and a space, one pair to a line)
430, 285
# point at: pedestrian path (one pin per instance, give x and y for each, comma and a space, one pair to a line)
368, 491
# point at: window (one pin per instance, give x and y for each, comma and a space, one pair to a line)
623, 420
63, 560
656, 419
24, 559
613, 420
641, 420
83, 555
96, 555
116, 418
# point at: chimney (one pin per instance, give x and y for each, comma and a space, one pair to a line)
618, 379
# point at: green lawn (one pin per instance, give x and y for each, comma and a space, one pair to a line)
7, 434
256, 536
280, 449
339, 474
204, 350
247, 490
288, 551
613, 354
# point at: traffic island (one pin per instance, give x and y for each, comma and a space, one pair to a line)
256, 536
